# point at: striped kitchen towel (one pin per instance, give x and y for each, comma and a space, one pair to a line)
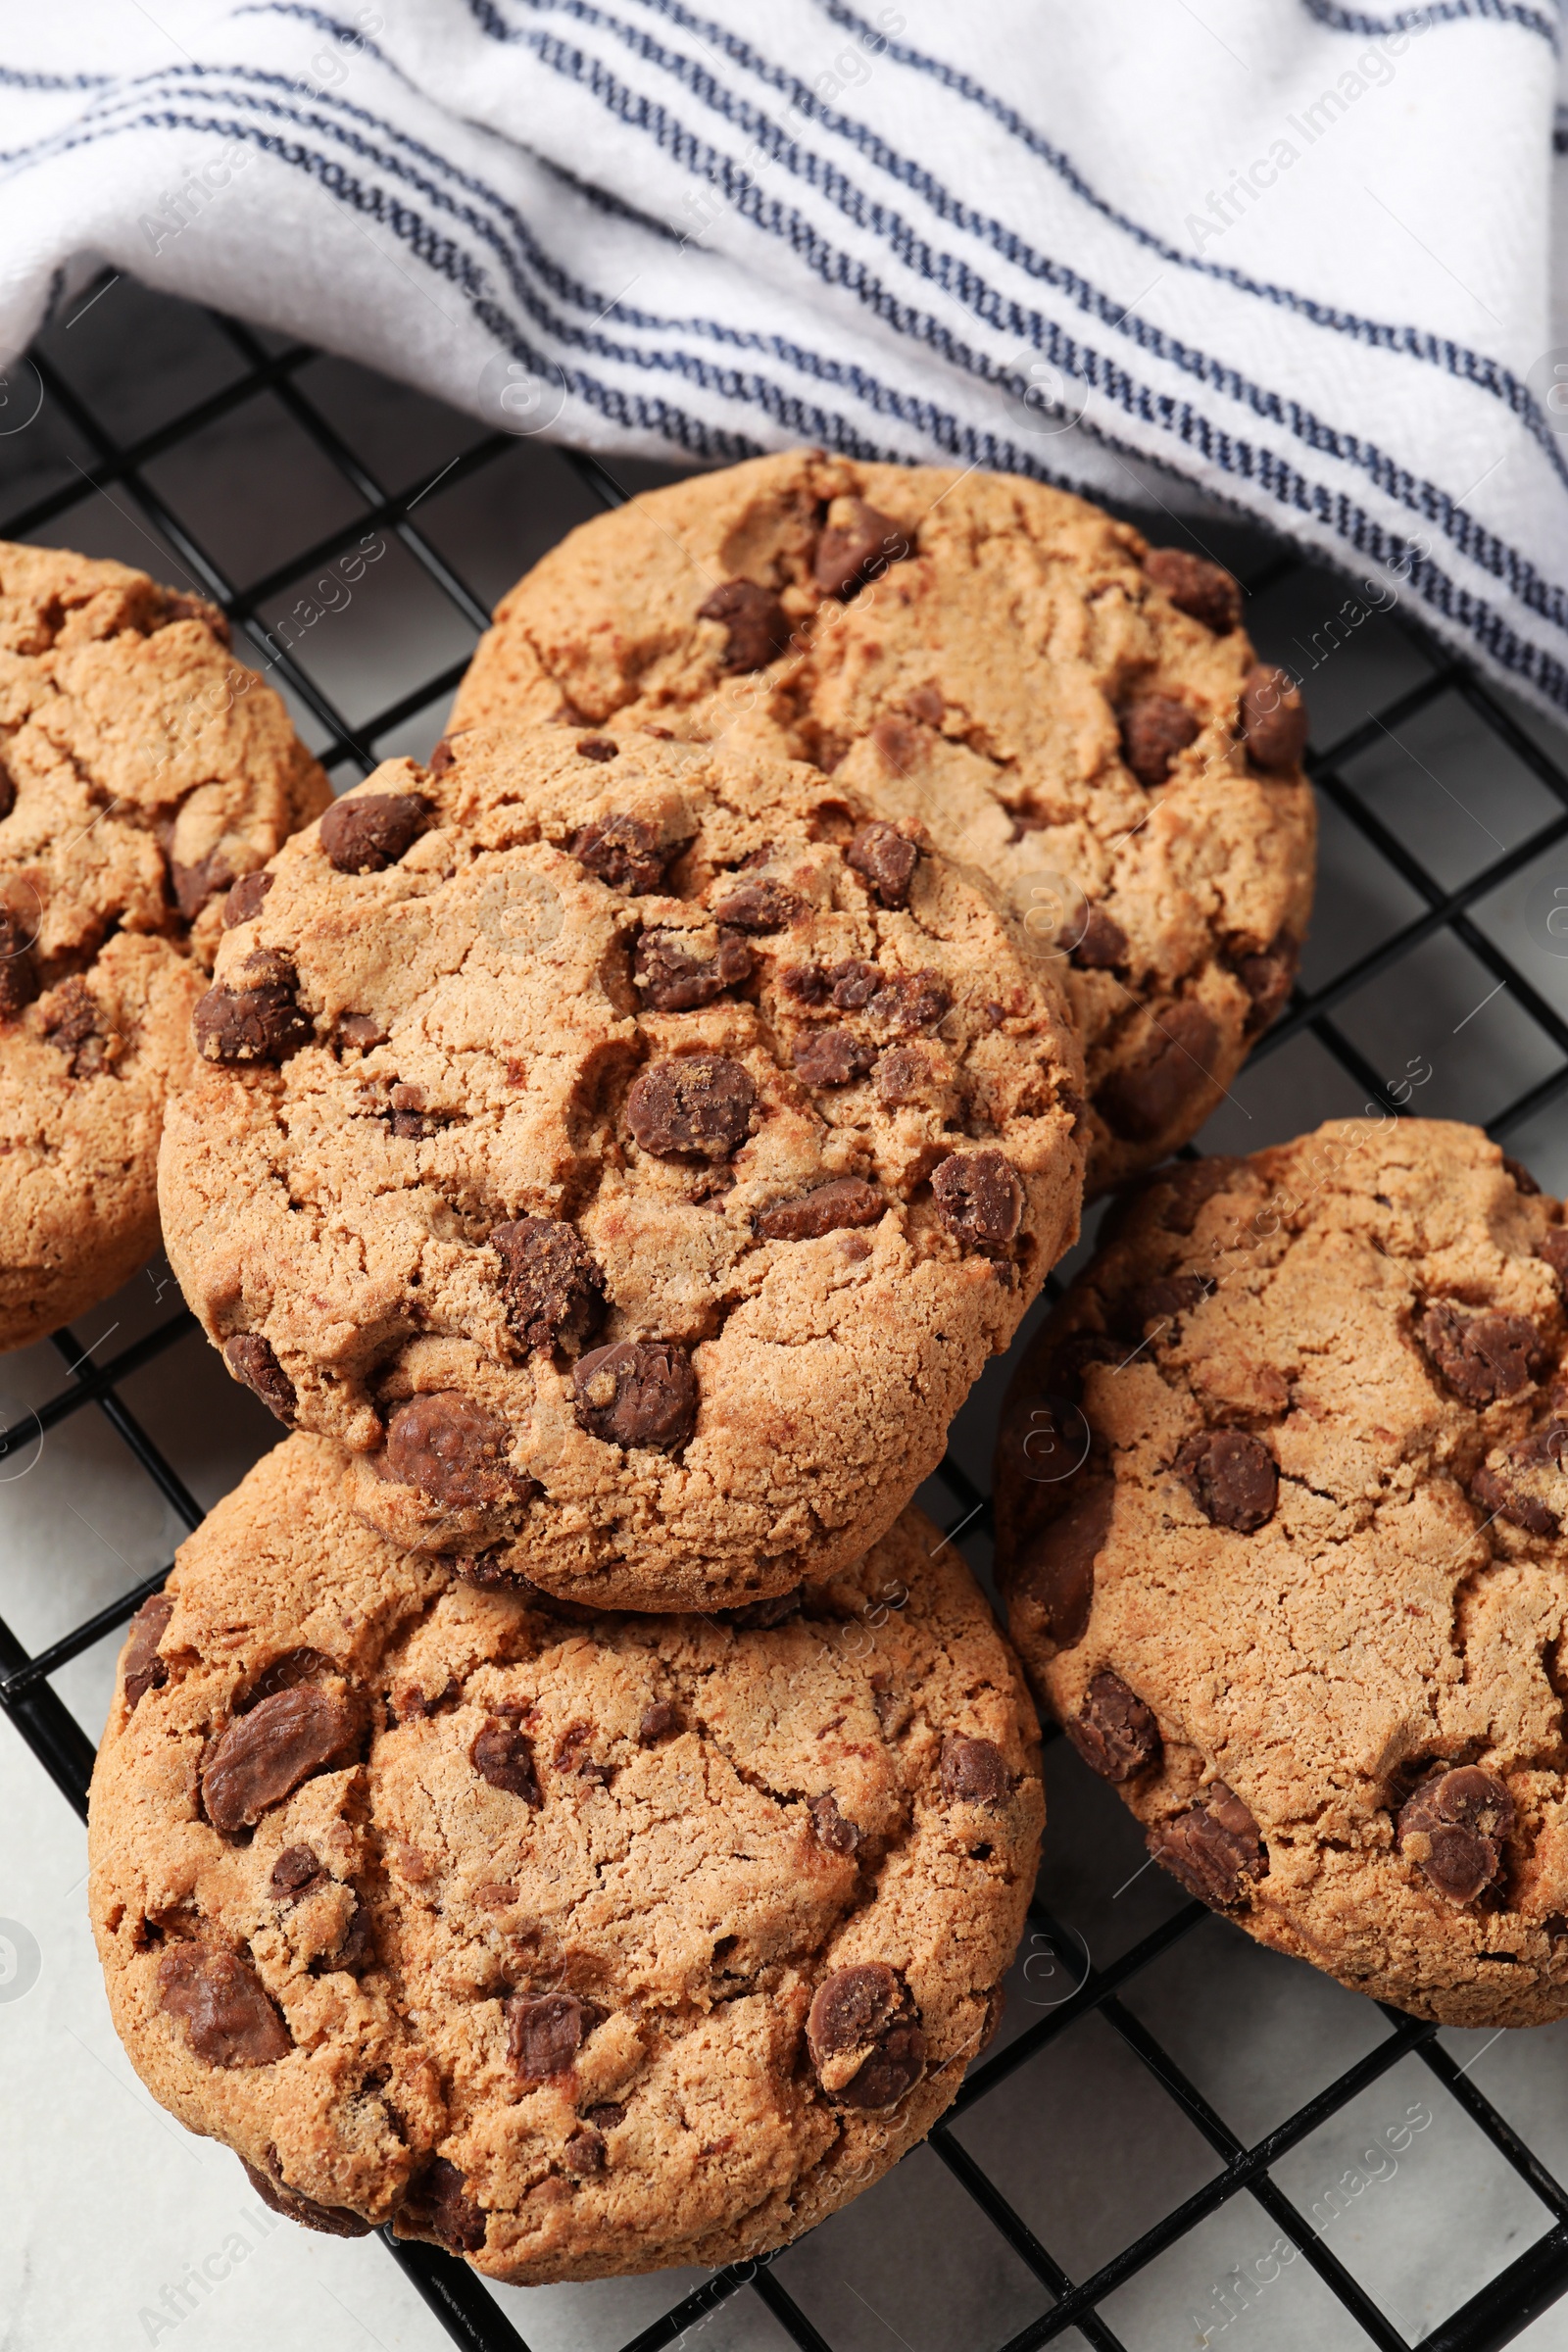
1294, 254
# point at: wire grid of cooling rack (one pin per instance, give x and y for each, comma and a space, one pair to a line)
1436, 901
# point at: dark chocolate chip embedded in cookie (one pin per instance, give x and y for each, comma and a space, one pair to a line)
554, 1290
469, 1898
1277, 1494
1008, 674
756, 627
371, 830
638, 1392
567, 1202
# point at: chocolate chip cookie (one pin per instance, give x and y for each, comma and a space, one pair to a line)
142, 771
1280, 1523
629, 1150
575, 1944
1076, 714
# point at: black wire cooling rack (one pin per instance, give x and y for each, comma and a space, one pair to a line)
1431, 899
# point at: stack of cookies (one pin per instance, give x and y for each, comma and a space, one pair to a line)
567, 1803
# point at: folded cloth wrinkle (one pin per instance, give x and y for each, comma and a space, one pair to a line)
1291, 256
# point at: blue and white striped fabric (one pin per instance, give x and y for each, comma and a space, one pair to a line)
1297, 255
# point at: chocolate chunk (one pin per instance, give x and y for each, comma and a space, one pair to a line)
1482, 1358
73, 1023
1553, 1247
850, 2009
371, 831
501, 1755
144, 1669
1154, 730
251, 1359
807, 983
659, 1719
1232, 1477
974, 1772
1273, 718
1161, 1301
624, 852
838, 1835
756, 625
228, 2014
831, 1057
1104, 944
979, 1198
1523, 1181
356, 1951
7, 791
1453, 1827
866, 2007
832, 1207
606, 2116
489, 1573
438, 2207
674, 981
244, 901
443, 756
1501, 1500
761, 1616
255, 1762
297, 1870
544, 2033
1268, 980
886, 859
1116, 1735
262, 1023
19, 976
359, 1030
1544, 1446
449, 1447
1203, 590
333, 2220
853, 984
407, 1106
1054, 1567
894, 2067
911, 1000
857, 548
638, 1392
194, 885
555, 1292
699, 1103
1140, 1103
758, 906
598, 747
1216, 1850
584, 2152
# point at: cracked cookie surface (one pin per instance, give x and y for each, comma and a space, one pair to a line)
635, 1155
1077, 716
142, 771
577, 1943
1280, 1517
